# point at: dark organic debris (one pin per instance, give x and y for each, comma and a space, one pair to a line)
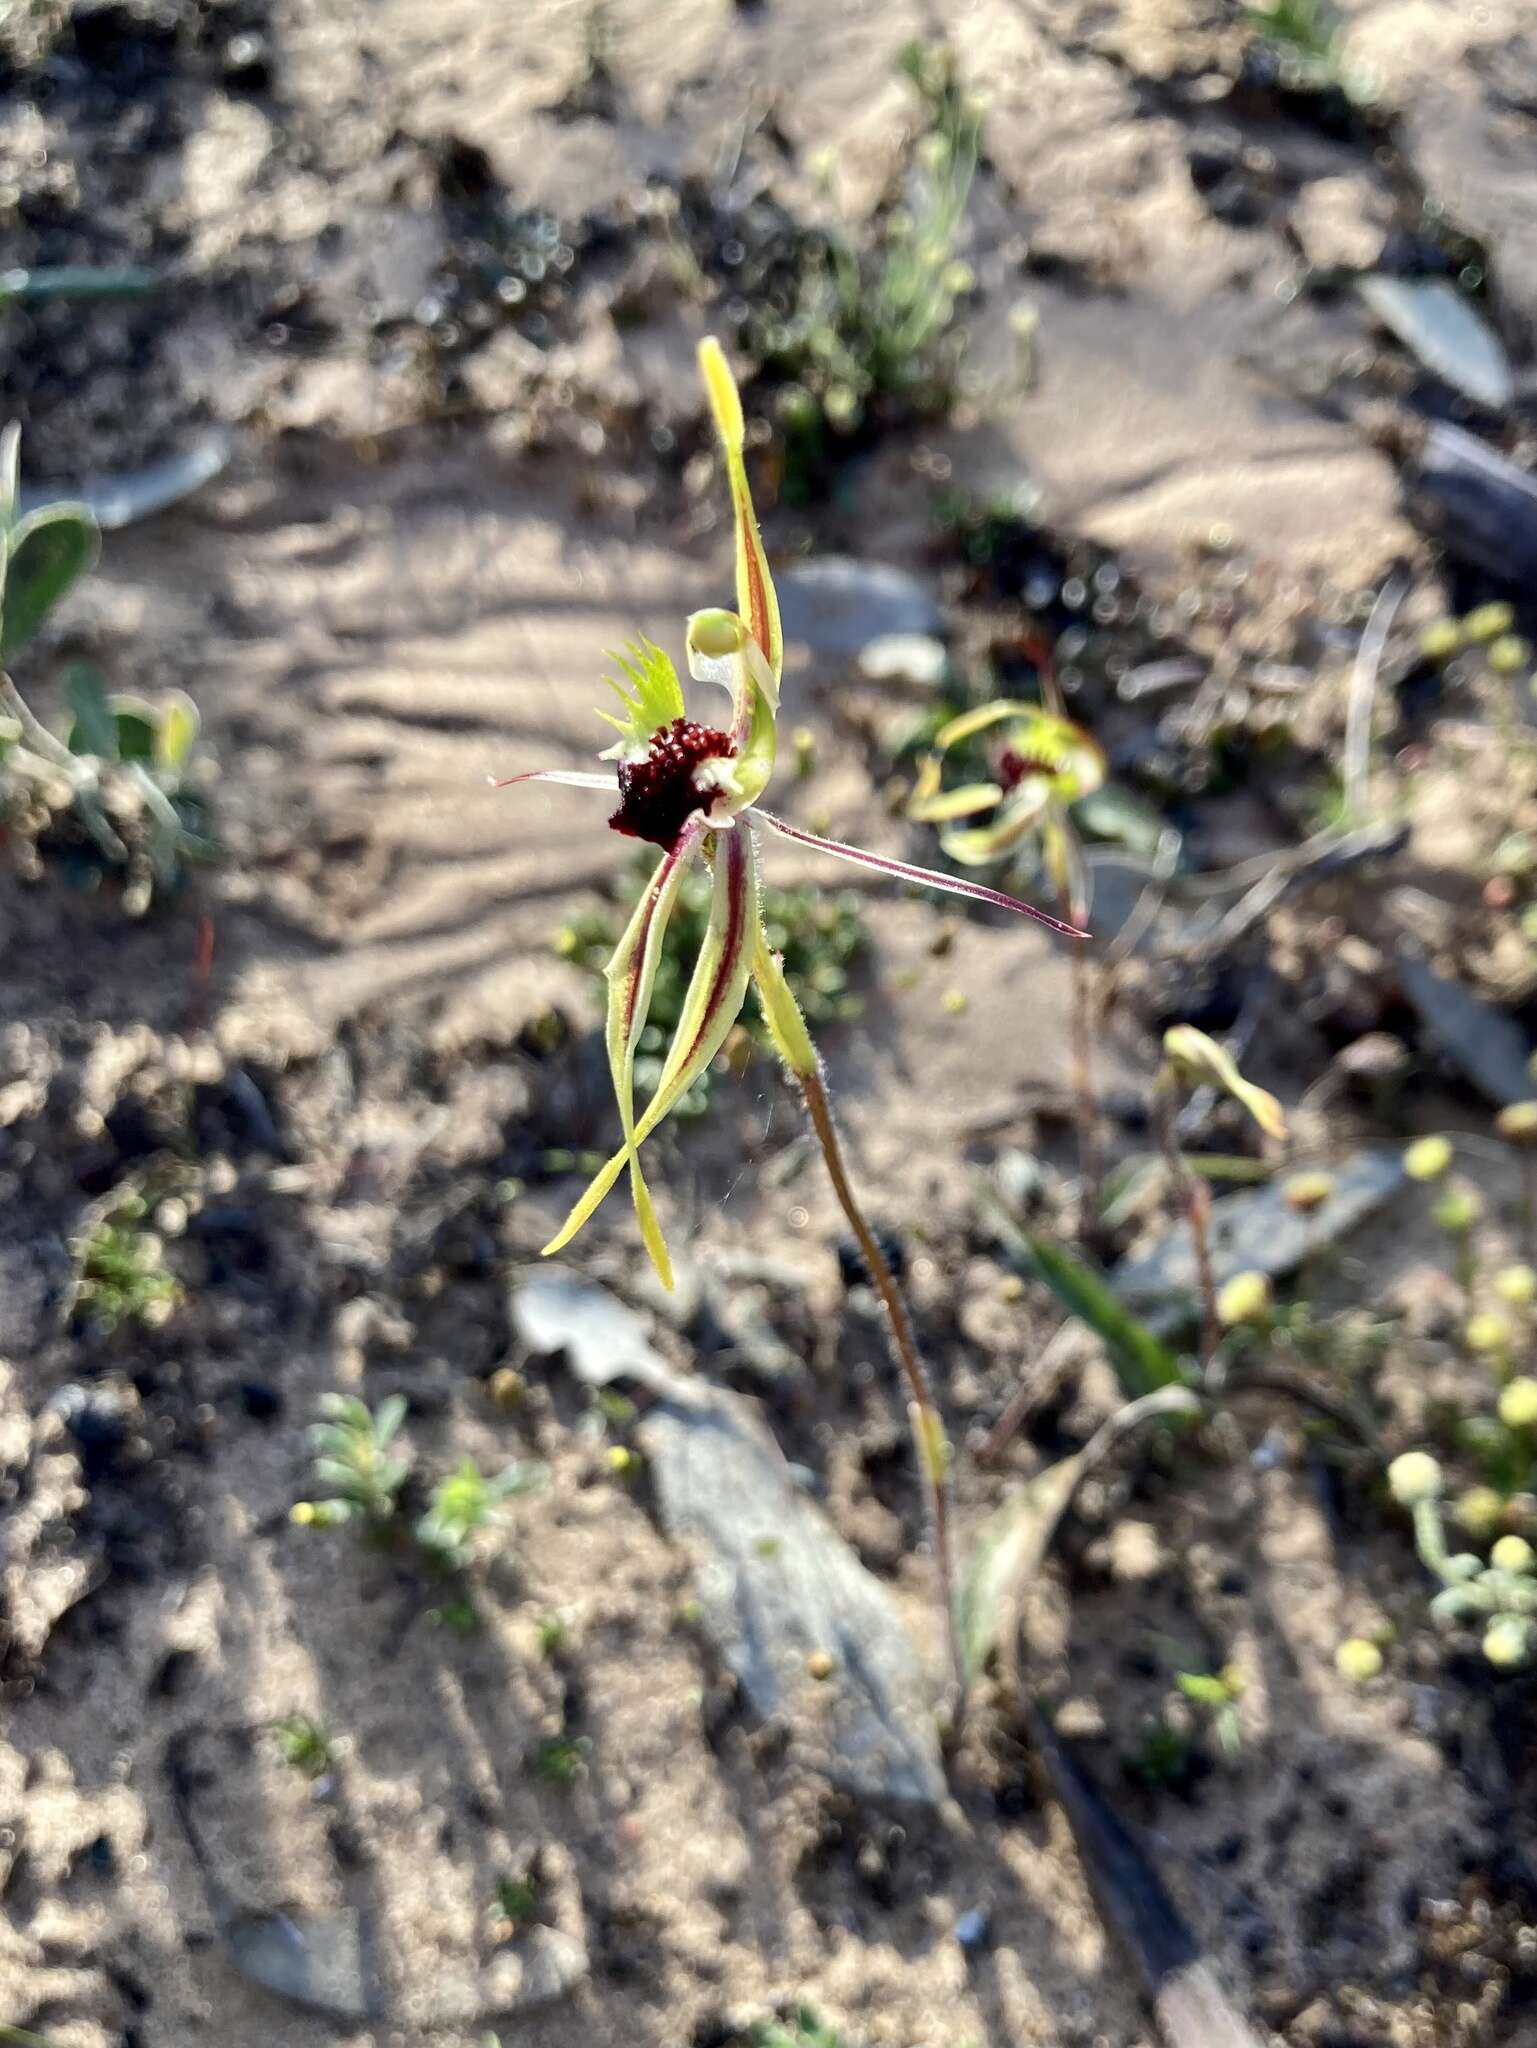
1192, 2009
1489, 1048
1478, 504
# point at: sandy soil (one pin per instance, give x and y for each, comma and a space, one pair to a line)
403, 583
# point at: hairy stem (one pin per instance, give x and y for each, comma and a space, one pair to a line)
1196, 1203
793, 1041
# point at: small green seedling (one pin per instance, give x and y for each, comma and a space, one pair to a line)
802, 2029
466, 1503
1217, 1693
553, 1633
352, 1458
561, 1761
121, 1276
121, 789
513, 1904
875, 329
1307, 31
1164, 1755
304, 1744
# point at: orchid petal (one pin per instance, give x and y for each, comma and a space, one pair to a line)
1196, 1057
905, 871
1069, 871
712, 1005
653, 699
631, 975
755, 596
574, 778
940, 807
722, 650
979, 719
1016, 820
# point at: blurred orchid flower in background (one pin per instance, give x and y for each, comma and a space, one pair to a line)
693, 790
1042, 765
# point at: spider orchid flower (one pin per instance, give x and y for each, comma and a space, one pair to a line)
1041, 765
692, 789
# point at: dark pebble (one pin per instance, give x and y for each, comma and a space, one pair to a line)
261, 1402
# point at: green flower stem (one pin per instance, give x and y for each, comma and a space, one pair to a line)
793, 1041
1194, 1200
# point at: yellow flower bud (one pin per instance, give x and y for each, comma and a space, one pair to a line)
1358, 1660
1488, 621
1517, 1123
1479, 1511
1518, 1403
1440, 640
1414, 1476
1246, 1298
1458, 1210
1516, 1286
1307, 1191
1487, 1334
1508, 655
1507, 1642
1513, 1554
1428, 1158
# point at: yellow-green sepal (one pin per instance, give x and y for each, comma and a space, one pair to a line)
930, 804
976, 845
980, 718
756, 598
722, 650
712, 1005
631, 976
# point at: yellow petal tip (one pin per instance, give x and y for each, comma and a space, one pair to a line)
725, 402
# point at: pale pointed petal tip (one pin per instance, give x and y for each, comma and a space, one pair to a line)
725, 400
907, 871
571, 778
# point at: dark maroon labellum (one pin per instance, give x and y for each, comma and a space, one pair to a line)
1012, 768
658, 796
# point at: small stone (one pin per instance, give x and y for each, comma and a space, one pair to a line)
1134, 1553
1341, 223
261, 1402
916, 658
971, 1928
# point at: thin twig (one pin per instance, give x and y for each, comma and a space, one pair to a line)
1195, 1199
1363, 692
1033, 1389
